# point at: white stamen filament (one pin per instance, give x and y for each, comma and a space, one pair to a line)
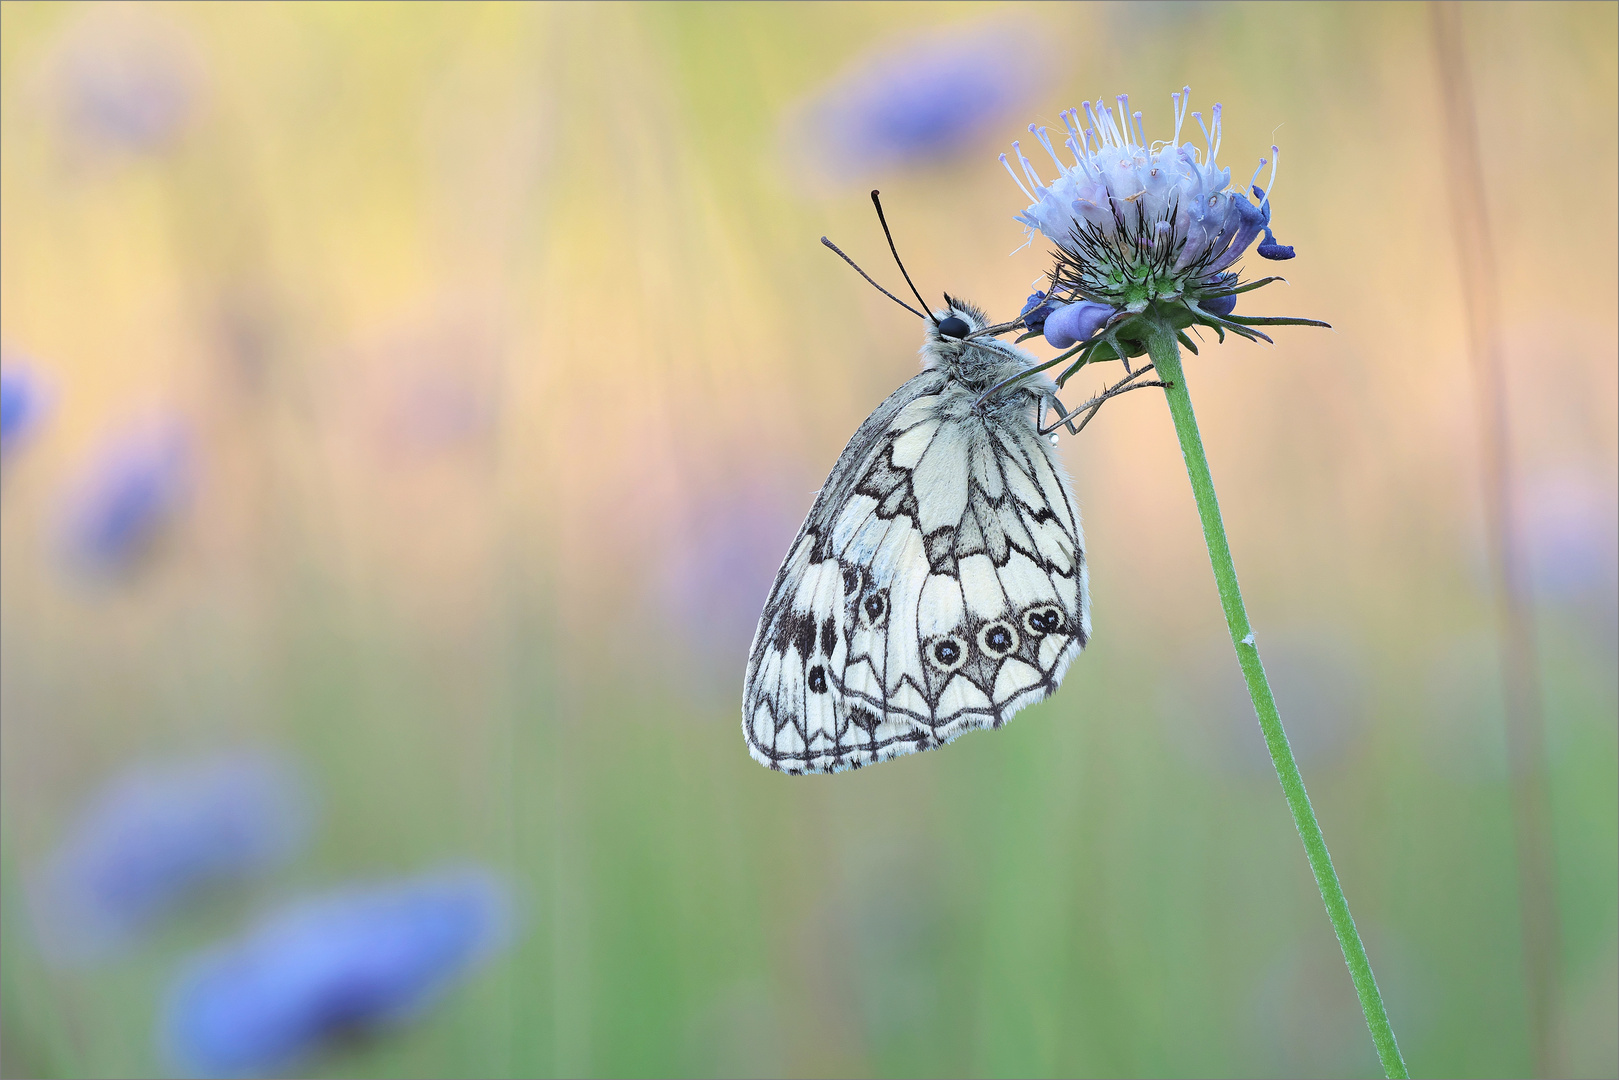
1028, 169
1045, 141
1015, 180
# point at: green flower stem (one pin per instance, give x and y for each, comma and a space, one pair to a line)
1167, 362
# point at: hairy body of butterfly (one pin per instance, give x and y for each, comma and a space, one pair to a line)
939, 582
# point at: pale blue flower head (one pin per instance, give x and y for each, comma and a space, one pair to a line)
130, 492
1136, 222
157, 834
345, 963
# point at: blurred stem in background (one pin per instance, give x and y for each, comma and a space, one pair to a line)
1165, 353
1514, 609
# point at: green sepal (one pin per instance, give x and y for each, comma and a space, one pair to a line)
1277, 320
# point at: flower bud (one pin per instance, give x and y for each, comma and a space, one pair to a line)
1073, 323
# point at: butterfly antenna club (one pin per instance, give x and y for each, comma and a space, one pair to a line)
878, 203
867, 276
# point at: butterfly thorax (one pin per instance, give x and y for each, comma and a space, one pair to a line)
976, 364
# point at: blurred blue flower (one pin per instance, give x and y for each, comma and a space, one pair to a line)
340, 964
155, 835
135, 485
129, 80
919, 103
23, 401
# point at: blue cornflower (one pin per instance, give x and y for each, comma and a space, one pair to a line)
22, 405
1138, 223
342, 963
131, 491
157, 833
921, 103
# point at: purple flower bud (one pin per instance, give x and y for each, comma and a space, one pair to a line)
1219, 305
1073, 323
1036, 311
1270, 249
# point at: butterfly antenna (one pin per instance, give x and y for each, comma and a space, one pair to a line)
867, 276
878, 203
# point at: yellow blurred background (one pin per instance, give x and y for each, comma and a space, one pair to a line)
508, 360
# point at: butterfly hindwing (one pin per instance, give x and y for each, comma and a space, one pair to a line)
937, 585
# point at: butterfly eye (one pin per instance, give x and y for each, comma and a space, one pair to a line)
954, 327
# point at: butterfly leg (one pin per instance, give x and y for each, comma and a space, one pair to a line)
1064, 417
1123, 386
1090, 408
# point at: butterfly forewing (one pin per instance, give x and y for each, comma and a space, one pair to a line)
937, 586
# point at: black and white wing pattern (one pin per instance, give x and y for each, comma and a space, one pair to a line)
937, 586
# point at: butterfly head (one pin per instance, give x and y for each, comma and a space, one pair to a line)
956, 343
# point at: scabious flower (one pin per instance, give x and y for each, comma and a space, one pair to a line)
158, 833
133, 488
23, 402
343, 963
1141, 225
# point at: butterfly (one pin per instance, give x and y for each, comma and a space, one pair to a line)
938, 584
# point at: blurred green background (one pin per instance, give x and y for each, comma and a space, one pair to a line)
512, 360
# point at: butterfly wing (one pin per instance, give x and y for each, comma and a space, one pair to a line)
938, 585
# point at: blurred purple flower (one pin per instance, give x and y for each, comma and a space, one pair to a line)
719, 569
339, 964
135, 485
23, 401
919, 103
155, 835
1570, 525
128, 80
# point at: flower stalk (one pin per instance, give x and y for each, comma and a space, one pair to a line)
1164, 351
